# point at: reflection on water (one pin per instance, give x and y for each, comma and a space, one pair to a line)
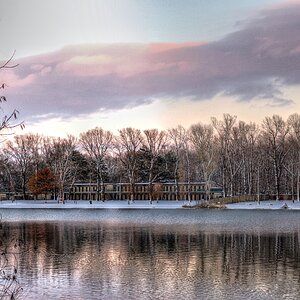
122, 260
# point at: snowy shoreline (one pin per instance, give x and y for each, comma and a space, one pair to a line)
140, 204
271, 205
85, 204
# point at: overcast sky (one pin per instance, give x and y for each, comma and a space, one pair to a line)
147, 63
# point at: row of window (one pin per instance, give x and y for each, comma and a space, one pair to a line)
123, 192
115, 196
138, 188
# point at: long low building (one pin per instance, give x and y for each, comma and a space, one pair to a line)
160, 191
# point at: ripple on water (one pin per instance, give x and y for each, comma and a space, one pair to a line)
143, 255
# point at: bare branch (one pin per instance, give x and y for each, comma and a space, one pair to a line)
7, 65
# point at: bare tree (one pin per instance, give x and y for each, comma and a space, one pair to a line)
178, 136
154, 143
24, 151
7, 174
245, 157
66, 170
7, 120
230, 165
294, 122
58, 154
9, 285
96, 143
248, 137
274, 135
127, 144
205, 145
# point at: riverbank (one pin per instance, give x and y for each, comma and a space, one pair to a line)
140, 204
85, 204
280, 204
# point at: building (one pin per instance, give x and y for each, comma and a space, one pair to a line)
162, 191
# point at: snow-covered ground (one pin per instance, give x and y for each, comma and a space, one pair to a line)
289, 204
139, 204
112, 204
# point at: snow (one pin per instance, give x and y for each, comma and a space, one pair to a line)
138, 204
85, 204
290, 205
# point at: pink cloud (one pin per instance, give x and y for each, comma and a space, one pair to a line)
252, 63
15, 81
46, 70
128, 61
37, 67
162, 47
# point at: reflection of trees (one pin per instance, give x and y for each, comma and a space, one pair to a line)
134, 259
10, 247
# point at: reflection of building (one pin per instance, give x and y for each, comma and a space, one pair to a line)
163, 191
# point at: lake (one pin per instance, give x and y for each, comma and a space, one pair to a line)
155, 254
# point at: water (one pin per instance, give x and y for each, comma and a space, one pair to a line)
156, 254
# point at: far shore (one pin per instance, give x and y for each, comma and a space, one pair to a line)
86, 204
142, 204
272, 204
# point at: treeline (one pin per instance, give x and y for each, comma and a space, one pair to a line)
243, 158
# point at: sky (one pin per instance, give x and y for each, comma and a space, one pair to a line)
148, 63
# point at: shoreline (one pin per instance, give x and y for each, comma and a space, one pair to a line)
144, 204
85, 204
266, 205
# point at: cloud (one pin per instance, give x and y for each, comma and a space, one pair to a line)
255, 62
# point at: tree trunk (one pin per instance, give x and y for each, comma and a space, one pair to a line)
98, 183
150, 188
224, 181
188, 176
176, 189
150, 183
24, 186
277, 183
298, 177
176, 182
258, 185
132, 187
90, 191
102, 187
298, 184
